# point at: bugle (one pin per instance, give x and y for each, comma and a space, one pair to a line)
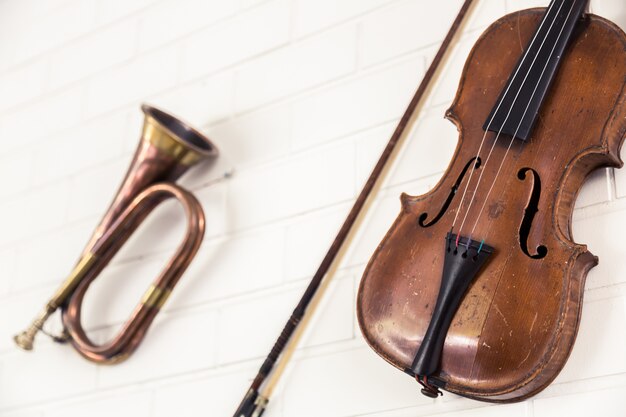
167, 149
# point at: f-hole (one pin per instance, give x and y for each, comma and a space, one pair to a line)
453, 190
529, 215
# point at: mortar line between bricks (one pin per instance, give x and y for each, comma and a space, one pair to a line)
303, 353
355, 75
135, 14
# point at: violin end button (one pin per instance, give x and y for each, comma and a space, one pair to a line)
430, 393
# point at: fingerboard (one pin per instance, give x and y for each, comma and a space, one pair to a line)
516, 110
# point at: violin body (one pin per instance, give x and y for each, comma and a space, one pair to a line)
517, 321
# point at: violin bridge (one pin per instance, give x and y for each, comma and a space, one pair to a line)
463, 260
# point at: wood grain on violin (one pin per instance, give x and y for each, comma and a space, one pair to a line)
516, 323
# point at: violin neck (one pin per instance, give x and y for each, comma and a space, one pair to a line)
516, 110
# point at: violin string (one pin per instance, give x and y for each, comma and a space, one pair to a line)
520, 123
484, 165
469, 180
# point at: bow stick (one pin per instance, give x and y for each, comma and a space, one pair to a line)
256, 399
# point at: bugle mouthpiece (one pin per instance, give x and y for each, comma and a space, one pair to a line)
26, 339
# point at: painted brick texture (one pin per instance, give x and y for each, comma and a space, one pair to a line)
300, 96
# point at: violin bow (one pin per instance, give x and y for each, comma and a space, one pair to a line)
256, 399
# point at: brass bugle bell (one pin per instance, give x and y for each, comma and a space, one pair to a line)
168, 148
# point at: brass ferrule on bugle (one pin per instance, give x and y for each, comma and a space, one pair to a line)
167, 149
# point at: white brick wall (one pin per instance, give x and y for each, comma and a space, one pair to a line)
300, 96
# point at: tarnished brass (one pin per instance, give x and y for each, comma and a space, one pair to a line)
155, 297
168, 148
80, 270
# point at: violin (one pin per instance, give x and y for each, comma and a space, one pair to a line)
477, 286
